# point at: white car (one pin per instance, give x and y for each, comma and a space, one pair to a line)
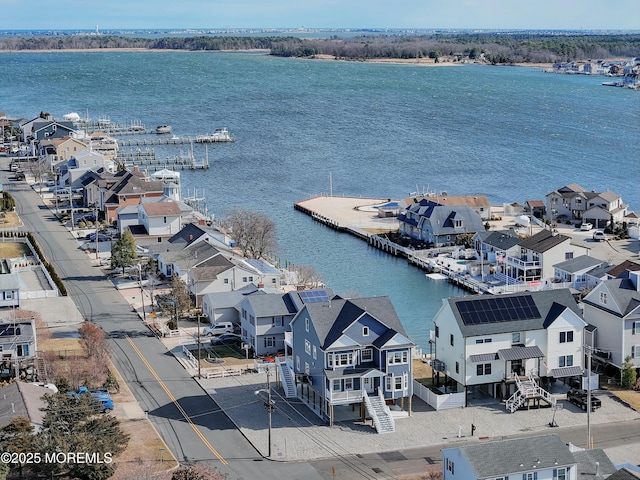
598, 235
218, 329
586, 226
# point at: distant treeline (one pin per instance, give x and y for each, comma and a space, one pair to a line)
490, 48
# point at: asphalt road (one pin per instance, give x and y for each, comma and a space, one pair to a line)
189, 421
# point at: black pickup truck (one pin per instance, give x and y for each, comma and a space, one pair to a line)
579, 398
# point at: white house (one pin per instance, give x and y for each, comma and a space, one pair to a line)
543, 457
17, 342
160, 218
486, 341
613, 307
10, 286
579, 272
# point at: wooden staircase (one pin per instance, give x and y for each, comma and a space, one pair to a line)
528, 390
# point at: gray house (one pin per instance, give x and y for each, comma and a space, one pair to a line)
10, 286
351, 352
17, 346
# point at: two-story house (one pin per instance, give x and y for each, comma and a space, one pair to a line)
160, 218
536, 256
438, 225
613, 307
486, 341
17, 345
580, 272
351, 352
575, 204
543, 457
10, 286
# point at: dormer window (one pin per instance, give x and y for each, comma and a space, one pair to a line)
365, 331
603, 298
458, 223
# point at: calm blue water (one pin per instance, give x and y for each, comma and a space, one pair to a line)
512, 134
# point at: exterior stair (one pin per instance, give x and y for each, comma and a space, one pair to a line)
286, 378
379, 413
527, 389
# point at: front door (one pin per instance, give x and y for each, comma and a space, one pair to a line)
368, 384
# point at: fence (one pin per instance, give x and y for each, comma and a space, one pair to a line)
226, 372
442, 401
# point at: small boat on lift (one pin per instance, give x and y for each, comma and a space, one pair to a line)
162, 129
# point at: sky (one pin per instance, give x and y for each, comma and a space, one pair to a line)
316, 14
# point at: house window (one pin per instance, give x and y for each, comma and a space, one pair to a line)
437, 331
635, 328
269, 342
483, 369
367, 355
226, 281
251, 279
306, 368
568, 255
244, 279
566, 337
397, 357
388, 380
244, 314
165, 219
635, 351
8, 295
22, 350
457, 367
365, 331
451, 339
458, 223
603, 298
397, 383
277, 322
561, 473
348, 383
565, 360
306, 324
273, 280
315, 353
307, 347
252, 320
450, 466
530, 476
336, 386
330, 360
344, 359
515, 338
297, 363
479, 340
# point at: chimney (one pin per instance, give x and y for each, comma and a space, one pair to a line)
261, 285
635, 279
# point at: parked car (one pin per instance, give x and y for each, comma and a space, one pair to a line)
101, 237
598, 235
586, 226
19, 176
226, 339
218, 328
101, 396
579, 398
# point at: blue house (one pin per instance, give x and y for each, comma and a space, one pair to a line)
346, 352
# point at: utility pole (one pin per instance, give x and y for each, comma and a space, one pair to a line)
589, 352
97, 225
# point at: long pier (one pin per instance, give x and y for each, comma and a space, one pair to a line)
164, 140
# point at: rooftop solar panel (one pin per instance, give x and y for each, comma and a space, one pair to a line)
312, 296
497, 309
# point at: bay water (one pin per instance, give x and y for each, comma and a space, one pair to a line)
378, 130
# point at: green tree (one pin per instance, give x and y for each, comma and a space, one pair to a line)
17, 437
123, 252
71, 424
629, 373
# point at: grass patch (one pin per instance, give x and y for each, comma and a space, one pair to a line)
13, 249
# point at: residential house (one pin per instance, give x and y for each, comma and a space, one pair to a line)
620, 269
351, 352
613, 307
573, 203
75, 167
58, 150
130, 218
535, 208
438, 225
17, 345
10, 286
22, 399
487, 342
160, 218
478, 203
575, 272
264, 318
224, 306
536, 256
543, 457
495, 246
177, 259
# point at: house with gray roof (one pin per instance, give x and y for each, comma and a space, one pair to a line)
575, 204
574, 273
10, 286
21, 399
350, 352
613, 307
492, 341
536, 256
225, 306
17, 345
528, 458
496, 244
431, 223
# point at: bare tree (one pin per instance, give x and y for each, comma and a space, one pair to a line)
308, 276
253, 232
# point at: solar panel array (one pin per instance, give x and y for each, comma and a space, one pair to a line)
497, 309
313, 296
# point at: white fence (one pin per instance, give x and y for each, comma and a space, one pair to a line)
444, 401
226, 372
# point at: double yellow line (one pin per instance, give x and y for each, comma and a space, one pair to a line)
178, 406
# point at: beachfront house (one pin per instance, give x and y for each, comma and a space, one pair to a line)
428, 222
535, 208
535, 258
543, 457
351, 352
493, 247
160, 218
580, 272
574, 204
613, 307
491, 342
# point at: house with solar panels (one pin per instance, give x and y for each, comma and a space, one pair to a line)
508, 346
265, 317
348, 352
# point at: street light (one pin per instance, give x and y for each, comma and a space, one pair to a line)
269, 406
144, 314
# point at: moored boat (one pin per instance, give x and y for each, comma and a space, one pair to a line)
160, 129
220, 135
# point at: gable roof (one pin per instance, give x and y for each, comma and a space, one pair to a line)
577, 264
543, 241
331, 318
271, 305
22, 399
159, 209
442, 219
516, 455
510, 312
624, 266
623, 293
502, 239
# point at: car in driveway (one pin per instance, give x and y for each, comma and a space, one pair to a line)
226, 339
218, 328
598, 236
586, 226
101, 237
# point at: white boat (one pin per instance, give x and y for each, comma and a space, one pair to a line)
160, 129
220, 135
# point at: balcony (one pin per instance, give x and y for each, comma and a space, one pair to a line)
438, 365
523, 263
344, 397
